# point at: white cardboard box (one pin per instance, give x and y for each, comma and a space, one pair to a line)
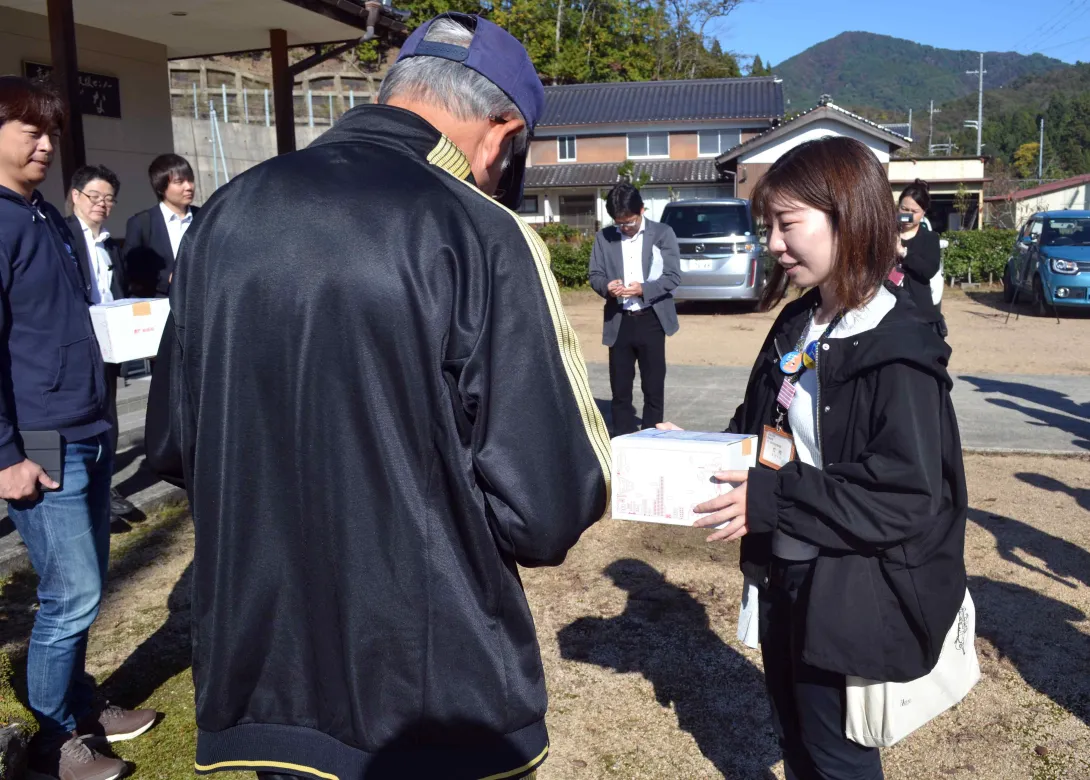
659, 476
131, 328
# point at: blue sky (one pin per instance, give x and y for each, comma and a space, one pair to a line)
778, 29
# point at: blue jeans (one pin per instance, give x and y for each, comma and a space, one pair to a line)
67, 534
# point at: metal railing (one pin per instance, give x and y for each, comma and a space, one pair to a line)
248, 99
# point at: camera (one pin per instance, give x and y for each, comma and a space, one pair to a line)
904, 218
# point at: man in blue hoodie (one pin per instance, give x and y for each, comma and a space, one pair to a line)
53, 406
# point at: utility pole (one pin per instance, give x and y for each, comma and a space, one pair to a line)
979, 106
931, 125
1041, 150
910, 123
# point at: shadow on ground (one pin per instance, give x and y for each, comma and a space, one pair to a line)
1060, 410
160, 657
664, 634
152, 664
1036, 632
1053, 485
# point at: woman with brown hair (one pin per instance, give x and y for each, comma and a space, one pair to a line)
853, 524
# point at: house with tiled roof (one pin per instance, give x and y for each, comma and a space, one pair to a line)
949, 177
748, 161
671, 131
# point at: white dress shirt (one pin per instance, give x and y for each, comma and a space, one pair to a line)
176, 226
102, 267
632, 252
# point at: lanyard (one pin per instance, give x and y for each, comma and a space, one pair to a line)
796, 362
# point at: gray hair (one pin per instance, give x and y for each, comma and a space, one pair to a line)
461, 91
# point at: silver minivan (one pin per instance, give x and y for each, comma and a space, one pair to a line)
721, 257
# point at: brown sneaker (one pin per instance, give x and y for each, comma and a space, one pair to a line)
116, 724
73, 760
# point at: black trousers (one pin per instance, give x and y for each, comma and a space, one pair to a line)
641, 339
807, 703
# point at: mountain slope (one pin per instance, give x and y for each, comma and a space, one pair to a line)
1062, 97
864, 69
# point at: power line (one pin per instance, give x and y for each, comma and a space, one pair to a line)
1068, 22
1069, 43
1024, 40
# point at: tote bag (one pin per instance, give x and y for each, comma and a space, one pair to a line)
880, 714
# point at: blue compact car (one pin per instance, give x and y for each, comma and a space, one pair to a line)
1050, 265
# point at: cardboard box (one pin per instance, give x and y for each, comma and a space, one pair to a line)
659, 476
131, 328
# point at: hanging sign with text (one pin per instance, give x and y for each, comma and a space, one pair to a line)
98, 95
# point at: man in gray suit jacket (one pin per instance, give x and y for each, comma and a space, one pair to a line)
635, 265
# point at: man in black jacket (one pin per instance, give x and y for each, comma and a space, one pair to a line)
380, 412
94, 192
152, 237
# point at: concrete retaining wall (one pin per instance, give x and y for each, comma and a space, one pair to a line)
244, 146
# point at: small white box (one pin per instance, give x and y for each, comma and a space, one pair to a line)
131, 328
659, 476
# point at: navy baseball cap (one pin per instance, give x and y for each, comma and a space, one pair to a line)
499, 57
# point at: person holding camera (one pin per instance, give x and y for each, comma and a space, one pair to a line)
919, 251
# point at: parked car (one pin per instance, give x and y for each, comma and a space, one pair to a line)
721, 257
1050, 265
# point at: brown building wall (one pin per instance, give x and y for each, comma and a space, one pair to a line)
600, 149
588, 149
543, 152
752, 173
683, 146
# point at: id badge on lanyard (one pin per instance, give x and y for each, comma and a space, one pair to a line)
778, 446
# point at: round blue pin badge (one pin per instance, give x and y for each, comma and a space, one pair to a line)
791, 363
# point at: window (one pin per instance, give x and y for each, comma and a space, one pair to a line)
710, 221
529, 204
648, 144
565, 148
714, 142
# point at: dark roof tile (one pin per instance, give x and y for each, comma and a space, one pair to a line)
605, 174
662, 101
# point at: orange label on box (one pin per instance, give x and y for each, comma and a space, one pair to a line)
141, 309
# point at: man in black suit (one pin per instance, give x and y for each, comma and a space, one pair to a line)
94, 194
152, 237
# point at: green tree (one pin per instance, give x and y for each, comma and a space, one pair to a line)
583, 41
758, 68
626, 171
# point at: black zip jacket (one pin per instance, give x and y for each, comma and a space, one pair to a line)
920, 264
887, 511
380, 412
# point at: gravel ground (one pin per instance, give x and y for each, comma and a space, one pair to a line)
984, 340
648, 681
637, 634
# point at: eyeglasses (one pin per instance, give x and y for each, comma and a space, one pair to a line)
629, 224
96, 198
